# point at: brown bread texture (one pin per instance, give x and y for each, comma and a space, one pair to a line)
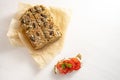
38, 27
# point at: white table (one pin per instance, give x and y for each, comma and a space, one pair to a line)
94, 31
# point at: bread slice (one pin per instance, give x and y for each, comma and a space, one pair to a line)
45, 20
32, 31
38, 27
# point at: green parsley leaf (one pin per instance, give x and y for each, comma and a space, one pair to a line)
69, 65
63, 66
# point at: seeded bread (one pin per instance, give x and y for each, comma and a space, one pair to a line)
38, 27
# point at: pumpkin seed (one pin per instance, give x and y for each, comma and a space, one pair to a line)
32, 38
43, 15
37, 34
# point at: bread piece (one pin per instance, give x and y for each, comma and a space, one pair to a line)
32, 31
45, 21
38, 27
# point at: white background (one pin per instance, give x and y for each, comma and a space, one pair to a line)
94, 31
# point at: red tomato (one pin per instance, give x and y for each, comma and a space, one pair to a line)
61, 69
70, 65
59, 66
76, 63
65, 71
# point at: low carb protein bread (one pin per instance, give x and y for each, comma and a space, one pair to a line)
38, 26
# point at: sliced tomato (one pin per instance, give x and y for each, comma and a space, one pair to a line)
59, 66
65, 71
61, 69
66, 66
70, 65
76, 63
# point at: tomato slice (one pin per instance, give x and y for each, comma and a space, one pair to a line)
68, 65
59, 66
61, 69
76, 63
65, 71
